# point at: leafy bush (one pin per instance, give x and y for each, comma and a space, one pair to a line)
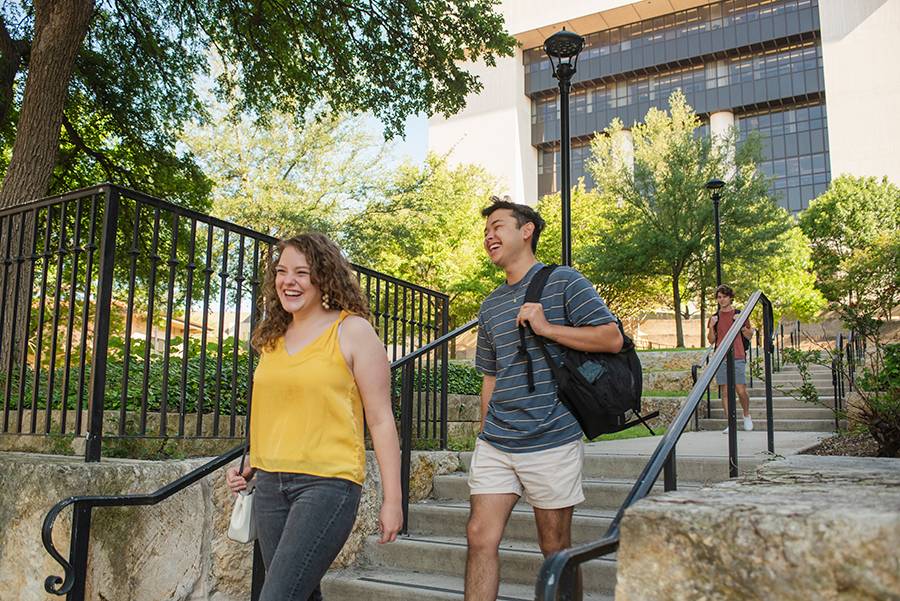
462, 378
220, 382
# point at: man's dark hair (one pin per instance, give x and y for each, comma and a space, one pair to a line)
726, 290
523, 214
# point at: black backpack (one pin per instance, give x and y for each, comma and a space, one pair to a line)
599, 389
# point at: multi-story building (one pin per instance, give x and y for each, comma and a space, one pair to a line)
811, 76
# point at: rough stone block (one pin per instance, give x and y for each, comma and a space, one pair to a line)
176, 550
824, 528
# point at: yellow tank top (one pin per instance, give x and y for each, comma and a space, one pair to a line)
306, 413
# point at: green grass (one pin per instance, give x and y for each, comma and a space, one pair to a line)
670, 350
638, 431
666, 393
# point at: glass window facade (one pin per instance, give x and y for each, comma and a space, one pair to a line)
795, 146
771, 79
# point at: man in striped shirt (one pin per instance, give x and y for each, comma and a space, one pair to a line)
530, 444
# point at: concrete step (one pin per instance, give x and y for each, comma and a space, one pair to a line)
784, 425
519, 562
384, 584
449, 518
605, 495
623, 467
759, 413
786, 402
823, 393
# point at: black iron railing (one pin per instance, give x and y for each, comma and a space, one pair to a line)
408, 371
849, 351
122, 315
558, 575
72, 583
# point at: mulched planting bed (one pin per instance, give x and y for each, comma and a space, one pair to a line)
850, 444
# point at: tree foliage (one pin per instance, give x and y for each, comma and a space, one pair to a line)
428, 230
849, 217
628, 294
130, 82
659, 209
281, 178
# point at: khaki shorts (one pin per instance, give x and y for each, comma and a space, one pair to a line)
548, 479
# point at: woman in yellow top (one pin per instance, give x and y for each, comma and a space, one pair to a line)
321, 368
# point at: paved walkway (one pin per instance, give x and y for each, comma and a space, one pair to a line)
712, 444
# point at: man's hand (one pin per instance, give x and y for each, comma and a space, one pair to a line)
533, 315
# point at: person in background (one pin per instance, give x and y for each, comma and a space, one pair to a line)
718, 326
322, 368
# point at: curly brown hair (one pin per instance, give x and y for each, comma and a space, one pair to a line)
329, 271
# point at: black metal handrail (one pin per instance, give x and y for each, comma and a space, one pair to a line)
72, 584
848, 351
558, 574
406, 367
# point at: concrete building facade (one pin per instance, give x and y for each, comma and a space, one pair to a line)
813, 77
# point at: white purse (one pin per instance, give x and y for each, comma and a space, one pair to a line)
242, 526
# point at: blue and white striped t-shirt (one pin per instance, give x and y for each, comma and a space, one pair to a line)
520, 421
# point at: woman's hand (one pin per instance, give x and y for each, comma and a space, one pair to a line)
238, 482
390, 521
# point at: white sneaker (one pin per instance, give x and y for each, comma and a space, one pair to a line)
725, 431
748, 423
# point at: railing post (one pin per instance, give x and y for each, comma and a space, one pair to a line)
732, 416
445, 372
101, 324
768, 319
258, 575
79, 549
406, 390
670, 476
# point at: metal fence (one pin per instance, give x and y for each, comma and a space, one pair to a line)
122, 315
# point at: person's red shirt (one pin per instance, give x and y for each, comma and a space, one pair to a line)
726, 319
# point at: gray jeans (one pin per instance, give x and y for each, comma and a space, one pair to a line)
302, 522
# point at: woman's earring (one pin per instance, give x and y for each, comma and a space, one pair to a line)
325, 301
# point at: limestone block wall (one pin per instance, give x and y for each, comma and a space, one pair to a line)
176, 550
803, 528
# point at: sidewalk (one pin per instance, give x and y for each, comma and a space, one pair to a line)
751, 445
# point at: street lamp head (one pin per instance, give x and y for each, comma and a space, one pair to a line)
714, 184
563, 46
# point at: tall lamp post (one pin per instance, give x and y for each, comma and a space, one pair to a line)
714, 185
564, 46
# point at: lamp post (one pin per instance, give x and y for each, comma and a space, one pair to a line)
714, 185
564, 46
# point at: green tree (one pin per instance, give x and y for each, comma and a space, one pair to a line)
874, 272
119, 75
629, 295
847, 218
662, 215
428, 229
786, 277
281, 178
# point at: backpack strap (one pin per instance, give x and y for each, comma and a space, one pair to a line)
533, 295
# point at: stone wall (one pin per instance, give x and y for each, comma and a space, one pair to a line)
176, 550
803, 528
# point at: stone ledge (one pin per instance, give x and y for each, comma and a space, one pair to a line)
176, 550
803, 528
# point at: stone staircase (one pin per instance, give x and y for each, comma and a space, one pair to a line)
429, 563
790, 414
